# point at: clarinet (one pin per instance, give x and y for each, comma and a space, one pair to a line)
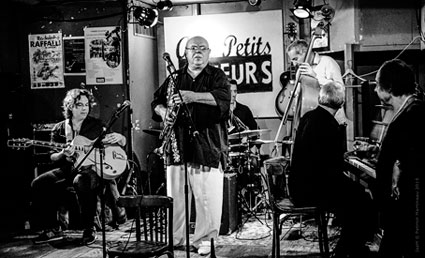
172, 110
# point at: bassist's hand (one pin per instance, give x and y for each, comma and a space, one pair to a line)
306, 69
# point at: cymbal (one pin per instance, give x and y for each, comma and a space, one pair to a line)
154, 132
259, 141
247, 133
242, 154
239, 145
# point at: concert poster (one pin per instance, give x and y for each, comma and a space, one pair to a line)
74, 55
103, 55
46, 61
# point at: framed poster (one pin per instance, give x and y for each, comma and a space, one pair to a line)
323, 42
103, 55
46, 61
74, 55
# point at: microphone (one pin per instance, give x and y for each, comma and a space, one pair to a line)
170, 65
123, 106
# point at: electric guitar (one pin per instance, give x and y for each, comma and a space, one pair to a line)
114, 161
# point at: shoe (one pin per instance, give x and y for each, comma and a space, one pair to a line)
204, 248
89, 236
49, 236
120, 216
192, 249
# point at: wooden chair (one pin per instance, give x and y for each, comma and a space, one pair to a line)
154, 220
276, 178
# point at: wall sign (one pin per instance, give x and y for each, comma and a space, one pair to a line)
248, 47
46, 61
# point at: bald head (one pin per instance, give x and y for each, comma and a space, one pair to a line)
197, 53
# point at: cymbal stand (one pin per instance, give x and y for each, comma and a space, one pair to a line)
250, 190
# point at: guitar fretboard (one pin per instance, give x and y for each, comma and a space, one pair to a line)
56, 145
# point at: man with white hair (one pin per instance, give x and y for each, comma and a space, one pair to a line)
316, 176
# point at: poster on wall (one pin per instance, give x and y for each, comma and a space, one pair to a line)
103, 55
248, 47
73, 48
46, 61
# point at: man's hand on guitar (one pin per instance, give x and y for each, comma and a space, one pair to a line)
68, 151
113, 138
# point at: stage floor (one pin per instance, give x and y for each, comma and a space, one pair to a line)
252, 239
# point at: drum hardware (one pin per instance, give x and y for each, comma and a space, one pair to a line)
154, 132
247, 133
259, 141
250, 191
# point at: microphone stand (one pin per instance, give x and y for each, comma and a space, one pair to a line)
191, 127
99, 145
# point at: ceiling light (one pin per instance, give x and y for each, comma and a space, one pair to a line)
254, 2
146, 17
302, 9
165, 5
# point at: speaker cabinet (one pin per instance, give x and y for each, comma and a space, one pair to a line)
229, 215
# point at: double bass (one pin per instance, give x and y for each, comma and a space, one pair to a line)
300, 95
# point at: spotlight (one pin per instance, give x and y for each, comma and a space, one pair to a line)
254, 2
328, 12
145, 16
165, 5
302, 9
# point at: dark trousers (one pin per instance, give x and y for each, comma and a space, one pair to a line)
88, 186
48, 193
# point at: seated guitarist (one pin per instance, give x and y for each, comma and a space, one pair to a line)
49, 189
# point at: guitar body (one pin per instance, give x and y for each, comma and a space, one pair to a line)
283, 97
114, 161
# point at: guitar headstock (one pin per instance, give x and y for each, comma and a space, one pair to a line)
22, 143
291, 31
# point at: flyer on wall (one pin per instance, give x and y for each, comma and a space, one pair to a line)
46, 61
103, 55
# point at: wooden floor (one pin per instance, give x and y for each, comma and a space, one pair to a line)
252, 239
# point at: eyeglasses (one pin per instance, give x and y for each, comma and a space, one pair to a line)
196, 48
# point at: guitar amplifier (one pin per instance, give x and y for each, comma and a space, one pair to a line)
41, 155
42, 132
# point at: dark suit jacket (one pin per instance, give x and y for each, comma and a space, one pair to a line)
316, 173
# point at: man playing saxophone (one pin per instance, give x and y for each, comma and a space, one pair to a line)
201, 139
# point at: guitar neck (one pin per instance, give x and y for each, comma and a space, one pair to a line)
54, 145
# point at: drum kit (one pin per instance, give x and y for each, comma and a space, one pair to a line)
245, 160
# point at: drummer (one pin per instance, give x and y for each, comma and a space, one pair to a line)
241, 119
239, 112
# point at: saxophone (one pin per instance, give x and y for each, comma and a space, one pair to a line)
168, 135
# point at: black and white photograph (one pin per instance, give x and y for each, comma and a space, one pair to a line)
213, 128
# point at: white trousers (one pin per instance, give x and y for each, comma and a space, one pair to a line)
206, 184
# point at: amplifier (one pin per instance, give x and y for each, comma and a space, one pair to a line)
229, 215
